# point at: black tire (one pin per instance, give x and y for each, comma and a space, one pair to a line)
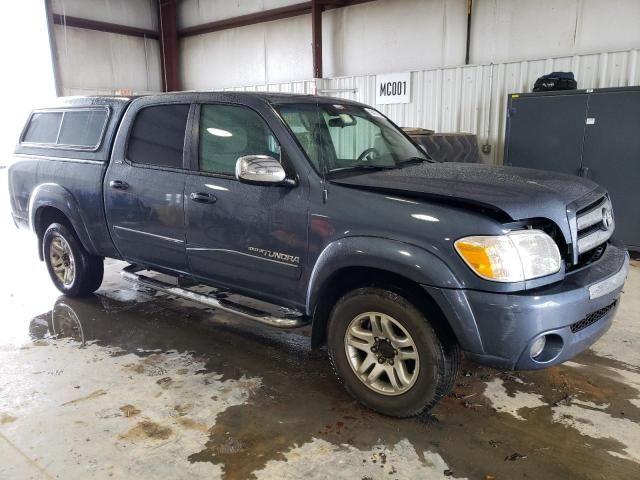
89, 269
439, 354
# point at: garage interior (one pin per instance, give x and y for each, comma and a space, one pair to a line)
133, 383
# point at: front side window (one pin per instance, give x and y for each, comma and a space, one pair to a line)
229, 132
157, 136
347, 137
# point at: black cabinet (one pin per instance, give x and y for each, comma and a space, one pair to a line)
592, 133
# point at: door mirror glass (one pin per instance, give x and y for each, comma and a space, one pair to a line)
259, 169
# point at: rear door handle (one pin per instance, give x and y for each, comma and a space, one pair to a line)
200, 197
118, 184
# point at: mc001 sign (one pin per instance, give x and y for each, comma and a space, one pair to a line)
393, 88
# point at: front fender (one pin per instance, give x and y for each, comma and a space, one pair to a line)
56, 196
409, 261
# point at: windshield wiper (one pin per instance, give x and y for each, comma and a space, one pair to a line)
411, 160
361, 167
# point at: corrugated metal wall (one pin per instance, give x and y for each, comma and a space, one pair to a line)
473, 98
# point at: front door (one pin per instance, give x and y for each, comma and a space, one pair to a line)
251, 238
144, 190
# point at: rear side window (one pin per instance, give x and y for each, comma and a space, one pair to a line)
157, 137
228, 132
82, 128
43, 128
72, 129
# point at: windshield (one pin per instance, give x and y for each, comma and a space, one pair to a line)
343, 138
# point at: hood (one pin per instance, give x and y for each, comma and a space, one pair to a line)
520, 193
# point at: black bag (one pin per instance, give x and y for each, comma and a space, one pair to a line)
555, 81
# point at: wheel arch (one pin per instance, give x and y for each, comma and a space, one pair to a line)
51, 203
367, 261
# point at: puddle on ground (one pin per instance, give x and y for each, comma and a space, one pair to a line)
230, 398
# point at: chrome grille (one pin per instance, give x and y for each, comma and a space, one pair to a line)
595, 225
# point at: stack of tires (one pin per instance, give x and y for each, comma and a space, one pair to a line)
447, 147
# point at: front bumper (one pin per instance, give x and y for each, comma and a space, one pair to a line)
498, 329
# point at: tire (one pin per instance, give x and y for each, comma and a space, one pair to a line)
417, 386
62, 252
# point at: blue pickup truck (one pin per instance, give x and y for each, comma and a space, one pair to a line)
293, 209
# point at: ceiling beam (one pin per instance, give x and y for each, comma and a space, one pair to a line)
87, 24
289, 11
249, 19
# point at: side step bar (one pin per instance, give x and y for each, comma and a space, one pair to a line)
291, 319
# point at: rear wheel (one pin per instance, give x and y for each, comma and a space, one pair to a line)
72, 269
388, 355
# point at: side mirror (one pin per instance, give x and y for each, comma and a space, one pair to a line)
260, 170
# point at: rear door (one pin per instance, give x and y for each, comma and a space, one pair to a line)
248, 237
144, 187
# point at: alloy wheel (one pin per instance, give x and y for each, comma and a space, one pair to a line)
382, 353
62, 260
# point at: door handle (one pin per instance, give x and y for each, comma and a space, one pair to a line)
118, 184
202, 197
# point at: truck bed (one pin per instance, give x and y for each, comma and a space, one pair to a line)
41, 173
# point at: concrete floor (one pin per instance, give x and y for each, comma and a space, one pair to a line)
130, 384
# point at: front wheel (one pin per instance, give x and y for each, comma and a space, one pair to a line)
72, 269
388, 355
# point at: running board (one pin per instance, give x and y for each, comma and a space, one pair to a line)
291, 319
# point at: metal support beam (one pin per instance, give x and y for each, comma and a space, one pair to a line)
316, 33
265, 16
87, 24
250, 19
168, 21
468, 46
53, 48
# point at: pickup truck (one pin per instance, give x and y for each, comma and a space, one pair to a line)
292, 210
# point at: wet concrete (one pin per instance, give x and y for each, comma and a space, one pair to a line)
128, 383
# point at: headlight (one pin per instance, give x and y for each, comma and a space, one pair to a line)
514, 257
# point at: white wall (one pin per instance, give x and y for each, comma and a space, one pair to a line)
374, 37
100, 63
397, 35
394, 35
267, 52
511, 30
473, 98
197, 12
381, 36
133, 13
598, 40
523, 39
92, 62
